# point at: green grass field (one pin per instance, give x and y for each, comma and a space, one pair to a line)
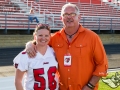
111, 82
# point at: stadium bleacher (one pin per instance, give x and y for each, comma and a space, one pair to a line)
96, 15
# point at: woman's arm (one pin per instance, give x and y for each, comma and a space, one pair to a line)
18, 79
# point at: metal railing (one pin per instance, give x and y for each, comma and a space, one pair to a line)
21, 22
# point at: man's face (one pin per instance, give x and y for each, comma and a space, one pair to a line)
70, 18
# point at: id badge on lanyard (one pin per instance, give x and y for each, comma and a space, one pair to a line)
67, 60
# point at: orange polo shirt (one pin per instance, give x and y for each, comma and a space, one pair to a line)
88, 58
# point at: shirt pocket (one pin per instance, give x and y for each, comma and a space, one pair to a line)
59, 45
59, 49
81, 49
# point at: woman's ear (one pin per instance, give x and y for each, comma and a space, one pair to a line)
35, 37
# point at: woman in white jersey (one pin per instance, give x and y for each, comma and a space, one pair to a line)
41, 71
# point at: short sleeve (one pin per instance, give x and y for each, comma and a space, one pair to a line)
21, 61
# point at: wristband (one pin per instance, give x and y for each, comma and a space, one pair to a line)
90, 86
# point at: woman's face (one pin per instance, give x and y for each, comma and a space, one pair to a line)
42, 37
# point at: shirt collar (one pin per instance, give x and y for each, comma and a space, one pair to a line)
81, 29
49, 53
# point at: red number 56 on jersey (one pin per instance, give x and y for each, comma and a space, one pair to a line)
41, 81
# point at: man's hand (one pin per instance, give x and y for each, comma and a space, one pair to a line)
86, 88
31, 49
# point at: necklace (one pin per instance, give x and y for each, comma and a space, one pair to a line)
70, 36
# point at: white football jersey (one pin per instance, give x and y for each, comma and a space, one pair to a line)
41, 70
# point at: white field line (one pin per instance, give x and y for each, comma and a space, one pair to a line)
114, 70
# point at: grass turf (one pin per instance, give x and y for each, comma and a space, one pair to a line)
116, 78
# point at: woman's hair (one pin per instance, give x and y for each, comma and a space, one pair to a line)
39, 27
71, 5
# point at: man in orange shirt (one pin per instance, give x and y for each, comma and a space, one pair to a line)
79, 51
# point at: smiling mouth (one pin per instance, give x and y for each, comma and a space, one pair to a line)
43, 41
69, 21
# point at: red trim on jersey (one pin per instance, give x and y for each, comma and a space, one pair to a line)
16, 65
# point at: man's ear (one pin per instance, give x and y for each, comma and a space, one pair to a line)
60, 17
79, 17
